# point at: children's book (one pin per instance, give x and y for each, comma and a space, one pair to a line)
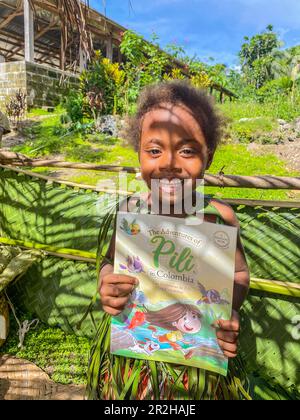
186, 276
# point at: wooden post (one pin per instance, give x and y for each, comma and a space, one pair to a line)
82, 60
28, 32
63, 45
2, 59
109, 48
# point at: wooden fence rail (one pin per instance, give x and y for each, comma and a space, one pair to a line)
221, 180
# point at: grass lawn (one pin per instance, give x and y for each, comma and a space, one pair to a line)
280, 109
46, 138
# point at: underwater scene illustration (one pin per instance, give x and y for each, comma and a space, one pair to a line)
171, 315
178, 332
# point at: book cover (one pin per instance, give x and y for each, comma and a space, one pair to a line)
186, 276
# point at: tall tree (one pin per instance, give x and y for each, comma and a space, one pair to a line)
256, 56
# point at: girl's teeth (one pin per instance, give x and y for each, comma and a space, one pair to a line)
170, 186
170, 182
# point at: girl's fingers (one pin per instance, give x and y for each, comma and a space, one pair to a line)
115, 302
230, 355
228, 347
119, 278
111, 311
233, 325
118, 290
227, 336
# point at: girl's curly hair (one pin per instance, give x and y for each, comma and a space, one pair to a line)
178, 93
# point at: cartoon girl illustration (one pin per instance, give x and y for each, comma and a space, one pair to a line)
179, 319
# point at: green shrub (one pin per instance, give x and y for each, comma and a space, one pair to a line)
73, 104
101, 86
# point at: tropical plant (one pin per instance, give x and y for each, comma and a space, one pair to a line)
73, 103
101, 87
145, 63
201, 80
256, 56
176, 74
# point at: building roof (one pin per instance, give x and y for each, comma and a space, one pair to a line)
48, 31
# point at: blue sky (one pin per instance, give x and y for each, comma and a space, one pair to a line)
207, 28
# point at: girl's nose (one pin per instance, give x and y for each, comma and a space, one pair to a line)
169, 163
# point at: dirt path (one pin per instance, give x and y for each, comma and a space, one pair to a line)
22, 380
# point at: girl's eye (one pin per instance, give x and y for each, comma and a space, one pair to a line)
185, 318
188, 152
194, 317
154, 152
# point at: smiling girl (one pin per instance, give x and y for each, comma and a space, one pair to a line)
176, 131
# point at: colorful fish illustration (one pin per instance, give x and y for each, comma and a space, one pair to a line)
131, 229
210, 296
134, 265
138, 319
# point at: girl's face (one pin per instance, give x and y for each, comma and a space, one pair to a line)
173, 151
189, 323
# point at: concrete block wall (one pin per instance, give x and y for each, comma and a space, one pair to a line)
44, 86
12, 78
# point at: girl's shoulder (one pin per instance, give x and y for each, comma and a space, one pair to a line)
226, 212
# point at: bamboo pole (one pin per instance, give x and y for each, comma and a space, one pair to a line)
225, 181
69, 254
276, 287
52, 180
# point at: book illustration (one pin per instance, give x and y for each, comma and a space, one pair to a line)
121, 340
133, 265
211, 296
185, 285
130, 228
173, 327
137, 298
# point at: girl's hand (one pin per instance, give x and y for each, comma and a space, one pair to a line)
115, 290
228, 333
